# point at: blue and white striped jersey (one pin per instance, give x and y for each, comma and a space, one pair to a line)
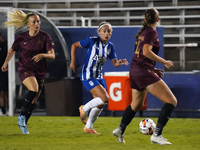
96, 55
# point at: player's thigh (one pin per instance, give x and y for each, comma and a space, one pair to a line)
162, 91
138, 98
31, 83
99, 91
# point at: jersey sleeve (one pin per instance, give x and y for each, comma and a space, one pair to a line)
150, 38
85, 43
113, 54
16, 44
49, 43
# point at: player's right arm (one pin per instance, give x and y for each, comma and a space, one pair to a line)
147, 52
73, 55
10, 54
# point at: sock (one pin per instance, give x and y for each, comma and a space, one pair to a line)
94, 114
3, 109
127, 118
93, 103
164, 117
29, 112
27, 102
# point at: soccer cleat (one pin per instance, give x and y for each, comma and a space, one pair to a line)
118, 133
24, 129
159, 140
83, 115
21, 121
91, 131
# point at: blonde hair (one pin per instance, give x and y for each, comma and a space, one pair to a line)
103, 24
18, 19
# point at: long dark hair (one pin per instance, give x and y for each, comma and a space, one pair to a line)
150, 18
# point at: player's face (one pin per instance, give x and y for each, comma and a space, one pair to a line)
34, 23
105, 33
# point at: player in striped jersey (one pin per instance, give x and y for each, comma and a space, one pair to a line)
99, 50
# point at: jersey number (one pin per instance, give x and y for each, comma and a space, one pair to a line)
137, 52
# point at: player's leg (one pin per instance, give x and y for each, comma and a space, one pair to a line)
100, 97
2, 103
138, 98
162, 92
31, 107
32, 86
96, 105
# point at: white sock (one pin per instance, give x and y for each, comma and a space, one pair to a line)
94, 114
93, 103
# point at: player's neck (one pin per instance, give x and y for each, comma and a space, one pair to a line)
153, 26
33, 33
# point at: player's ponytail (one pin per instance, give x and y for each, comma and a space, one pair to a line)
18, 19
150, 18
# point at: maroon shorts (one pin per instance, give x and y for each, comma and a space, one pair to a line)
140, 80
24, 73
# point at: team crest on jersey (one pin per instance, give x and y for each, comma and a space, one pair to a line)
91, 83
40, 42
26, 73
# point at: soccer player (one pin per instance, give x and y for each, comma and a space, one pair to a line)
99, 49
35, 47
3, 77
144, 77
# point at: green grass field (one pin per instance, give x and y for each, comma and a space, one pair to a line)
66, 133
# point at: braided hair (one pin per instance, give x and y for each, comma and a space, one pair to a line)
150, 18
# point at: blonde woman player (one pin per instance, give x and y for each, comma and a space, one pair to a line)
35, 47
99, 50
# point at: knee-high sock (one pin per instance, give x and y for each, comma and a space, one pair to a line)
93, 103
164, 117
127, 118
94, 114
27, 101
29, 112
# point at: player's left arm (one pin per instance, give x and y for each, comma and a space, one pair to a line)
50, 55
116, 63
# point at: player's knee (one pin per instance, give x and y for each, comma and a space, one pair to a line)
105, 98
174, 102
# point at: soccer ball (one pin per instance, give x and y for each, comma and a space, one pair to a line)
147, 126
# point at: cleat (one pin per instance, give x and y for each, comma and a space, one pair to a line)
21, 121
159, 140
24, 129
91, 131
118, 133
83, 115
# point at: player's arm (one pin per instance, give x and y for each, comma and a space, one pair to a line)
147, 52
116, 63
10, 54
50, 55
73, 55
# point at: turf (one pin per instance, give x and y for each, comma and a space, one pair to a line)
66, 133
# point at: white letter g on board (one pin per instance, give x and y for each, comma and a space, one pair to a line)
115, 92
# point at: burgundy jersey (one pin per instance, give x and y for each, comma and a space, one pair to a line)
142, 68
148, 36
30, 46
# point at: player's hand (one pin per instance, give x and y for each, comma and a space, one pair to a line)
72, 66
159, 72
4, 67
37, 57
169, 64
123, 62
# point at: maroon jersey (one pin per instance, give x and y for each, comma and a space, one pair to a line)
148, 36
30, 46
142, 68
